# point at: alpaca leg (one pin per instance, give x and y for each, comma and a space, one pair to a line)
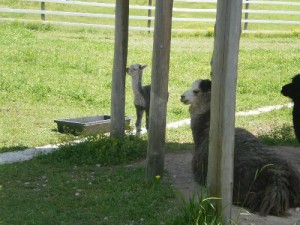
139, 117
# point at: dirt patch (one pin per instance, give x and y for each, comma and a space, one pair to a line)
178, 166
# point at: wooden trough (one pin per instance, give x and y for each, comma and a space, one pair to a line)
87, 125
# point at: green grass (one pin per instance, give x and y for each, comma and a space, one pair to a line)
50, 72
283, 135
101, 149
95, 182
85, 184
59, 194
199, 210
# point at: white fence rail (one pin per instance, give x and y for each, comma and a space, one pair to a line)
194, 18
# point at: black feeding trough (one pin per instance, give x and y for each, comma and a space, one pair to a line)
87, 125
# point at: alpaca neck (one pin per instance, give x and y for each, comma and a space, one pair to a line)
200, 121
136, 84
200, 127
137, 90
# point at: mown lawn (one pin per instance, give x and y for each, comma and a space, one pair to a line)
94, 182
59, 194
50, 72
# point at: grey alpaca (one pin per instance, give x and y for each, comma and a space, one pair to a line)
141, 95
292, 90
264, 181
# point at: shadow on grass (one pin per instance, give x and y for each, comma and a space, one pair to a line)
177, 147
13, 148
283, 135
107, 151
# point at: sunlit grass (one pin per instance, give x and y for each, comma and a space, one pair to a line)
50, 72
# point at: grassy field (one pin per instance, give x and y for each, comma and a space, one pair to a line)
50, 72
72, 186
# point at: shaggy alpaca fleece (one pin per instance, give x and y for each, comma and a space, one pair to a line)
292, 90
264, 181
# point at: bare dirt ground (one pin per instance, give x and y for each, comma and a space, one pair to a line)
178, 166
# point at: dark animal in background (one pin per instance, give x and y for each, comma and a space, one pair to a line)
264, 181
292, 90
141, 95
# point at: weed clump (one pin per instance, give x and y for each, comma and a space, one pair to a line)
197, 211
283, 135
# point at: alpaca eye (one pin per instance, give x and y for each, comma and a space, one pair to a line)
196, 91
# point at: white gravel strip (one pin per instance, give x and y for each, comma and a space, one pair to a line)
11, 157
264, 110
180, 123
245, 113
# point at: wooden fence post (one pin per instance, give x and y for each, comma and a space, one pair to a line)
117, 126
43, 16
224, 76
159, 88
246, 14
149, 15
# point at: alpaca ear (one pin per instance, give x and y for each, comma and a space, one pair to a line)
143, 66
205, 85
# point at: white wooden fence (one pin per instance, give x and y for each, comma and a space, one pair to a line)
209, 20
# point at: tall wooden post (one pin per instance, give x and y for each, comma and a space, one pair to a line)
159, 88
224, 77
117, 126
